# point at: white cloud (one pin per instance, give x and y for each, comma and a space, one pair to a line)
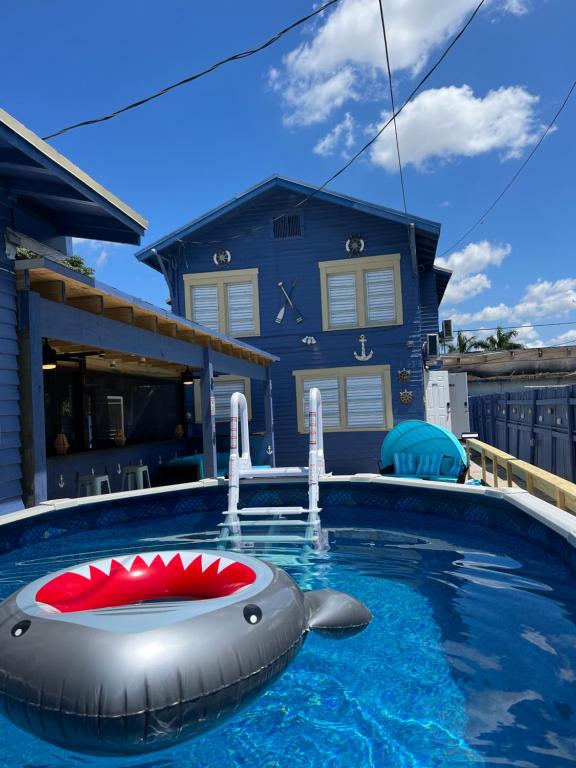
543, 299
349, 39
465, 288
467, 265
96, 253
529, 336
341, 135
566, 338
448, 122
474, 257
316, 103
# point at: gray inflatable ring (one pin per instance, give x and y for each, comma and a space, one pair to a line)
136, 653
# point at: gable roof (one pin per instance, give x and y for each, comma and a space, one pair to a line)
429, 231
47, 181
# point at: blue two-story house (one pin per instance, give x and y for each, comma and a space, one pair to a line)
342, 290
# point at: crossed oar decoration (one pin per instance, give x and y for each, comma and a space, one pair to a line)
288, 303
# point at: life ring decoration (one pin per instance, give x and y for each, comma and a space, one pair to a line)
135, 653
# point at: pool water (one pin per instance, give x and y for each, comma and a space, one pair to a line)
470, 659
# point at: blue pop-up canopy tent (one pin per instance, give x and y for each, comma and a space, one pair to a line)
413, 442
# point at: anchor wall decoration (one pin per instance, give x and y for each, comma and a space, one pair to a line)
363, 357
61, 482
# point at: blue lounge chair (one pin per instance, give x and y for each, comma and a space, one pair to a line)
417, 449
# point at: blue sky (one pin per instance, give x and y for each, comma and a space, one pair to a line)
302, 106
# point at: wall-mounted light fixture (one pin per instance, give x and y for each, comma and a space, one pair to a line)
188, 377
49, 357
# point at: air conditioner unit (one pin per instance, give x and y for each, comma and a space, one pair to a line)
432, 344
447, 330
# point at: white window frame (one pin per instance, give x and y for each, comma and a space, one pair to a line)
383, 371
221, 280
359, 266
227, 377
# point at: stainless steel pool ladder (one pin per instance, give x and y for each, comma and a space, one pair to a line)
273, 524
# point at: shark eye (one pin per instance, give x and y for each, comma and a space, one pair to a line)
19, 629
252, 614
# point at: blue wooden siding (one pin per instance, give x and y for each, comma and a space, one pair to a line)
10, 469
326, 227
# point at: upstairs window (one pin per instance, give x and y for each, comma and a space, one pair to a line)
359, 293
285, 227
225, 302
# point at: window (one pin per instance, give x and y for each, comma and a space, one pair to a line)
353, 399
225, 302
224, 388
357, 293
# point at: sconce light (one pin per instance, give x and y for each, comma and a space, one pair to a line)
188, 377
49, 357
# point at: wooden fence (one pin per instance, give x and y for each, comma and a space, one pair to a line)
536, 425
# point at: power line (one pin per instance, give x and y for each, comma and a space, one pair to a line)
514, 327
191, 78
515, 176
393, 113
362, 149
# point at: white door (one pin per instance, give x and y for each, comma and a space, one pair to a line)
459, 415
438, 398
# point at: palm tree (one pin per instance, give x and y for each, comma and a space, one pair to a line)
500, 340
463, 343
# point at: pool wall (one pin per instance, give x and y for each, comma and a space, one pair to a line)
379, 501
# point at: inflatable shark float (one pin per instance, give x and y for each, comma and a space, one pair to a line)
136, 653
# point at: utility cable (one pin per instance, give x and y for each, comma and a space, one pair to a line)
393, 114
362, 149
514, 327
197, 76
515, 176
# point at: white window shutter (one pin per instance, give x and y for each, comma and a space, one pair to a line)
205, 306
364, 401
342, 308
223, 391
240, 298
380, 295
330, 400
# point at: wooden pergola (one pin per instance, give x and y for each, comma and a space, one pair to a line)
81, 316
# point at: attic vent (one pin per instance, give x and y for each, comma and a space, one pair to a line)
286, 227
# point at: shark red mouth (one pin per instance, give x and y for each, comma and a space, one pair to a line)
146, 577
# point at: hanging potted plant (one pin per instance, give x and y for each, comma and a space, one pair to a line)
119, 438
61, 444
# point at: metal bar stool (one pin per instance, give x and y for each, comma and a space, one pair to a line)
135, 477
93, 485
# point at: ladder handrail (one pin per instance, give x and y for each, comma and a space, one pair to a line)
316, 446
238, 408
241, 461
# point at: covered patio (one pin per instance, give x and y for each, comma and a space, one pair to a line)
109, 382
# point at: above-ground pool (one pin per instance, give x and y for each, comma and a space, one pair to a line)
470, 658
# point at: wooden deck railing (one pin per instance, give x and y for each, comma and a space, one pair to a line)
561, 492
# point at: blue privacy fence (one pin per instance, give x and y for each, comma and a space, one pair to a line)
536, 425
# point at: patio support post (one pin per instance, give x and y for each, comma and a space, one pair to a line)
33, 429
208, 410
269, 417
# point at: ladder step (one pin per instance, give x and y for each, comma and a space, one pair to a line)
267, 539
270, 511
274, 472
264, 523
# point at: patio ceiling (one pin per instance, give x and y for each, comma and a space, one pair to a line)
83, 309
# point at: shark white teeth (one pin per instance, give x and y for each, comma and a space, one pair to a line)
82, 570
127, 561
188, 558
224, 563
207, 560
